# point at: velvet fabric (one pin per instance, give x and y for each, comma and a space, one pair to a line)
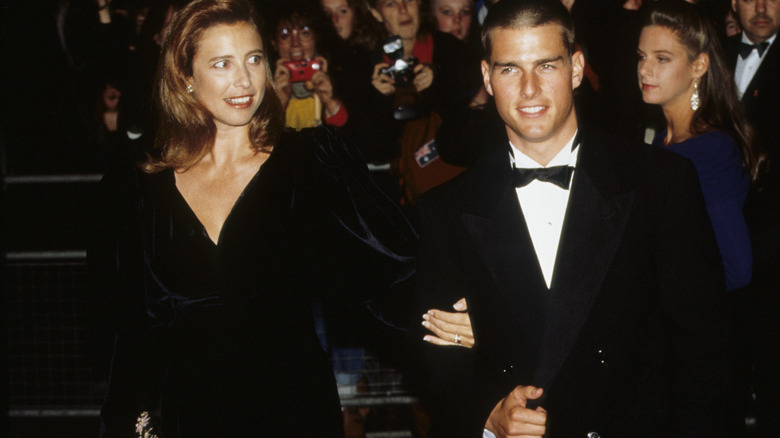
218, 339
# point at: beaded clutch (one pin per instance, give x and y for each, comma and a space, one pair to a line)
145, 427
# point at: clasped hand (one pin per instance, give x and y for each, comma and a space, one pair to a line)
511, 418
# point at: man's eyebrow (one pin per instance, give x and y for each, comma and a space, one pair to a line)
549, 60
539, 62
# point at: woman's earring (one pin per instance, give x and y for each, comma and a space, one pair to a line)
695, 97
191, 89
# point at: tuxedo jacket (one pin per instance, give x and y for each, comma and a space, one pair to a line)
629, 341
762, 106
762, 96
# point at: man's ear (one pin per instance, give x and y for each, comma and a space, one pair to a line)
577, 69
700, 65
377, 15
486, 76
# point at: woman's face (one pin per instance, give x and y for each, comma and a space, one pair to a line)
666, 75
400, 17
342, 15
295, 42
229, 73
111, 97
453, 16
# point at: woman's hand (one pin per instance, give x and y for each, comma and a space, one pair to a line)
282, 79
324, 90
423, 77
381, 81
450, 328
323, 87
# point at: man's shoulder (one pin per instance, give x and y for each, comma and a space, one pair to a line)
477, 187
630, 163
772, 57
625, 152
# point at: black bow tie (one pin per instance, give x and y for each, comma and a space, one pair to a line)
558, 175
745, 49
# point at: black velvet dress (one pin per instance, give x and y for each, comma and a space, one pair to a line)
218, 340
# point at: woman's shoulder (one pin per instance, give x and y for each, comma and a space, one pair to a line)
127, 183
325, 144
711, 144
716, 138
122, 176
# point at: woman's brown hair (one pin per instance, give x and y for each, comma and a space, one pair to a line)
186, 129
720, 108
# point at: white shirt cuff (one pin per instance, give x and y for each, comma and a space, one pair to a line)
488, 434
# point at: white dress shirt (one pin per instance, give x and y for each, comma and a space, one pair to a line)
544, 206
747, 67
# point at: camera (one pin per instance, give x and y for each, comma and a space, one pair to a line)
401, 70
303, 70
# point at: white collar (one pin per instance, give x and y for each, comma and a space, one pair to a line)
564, 157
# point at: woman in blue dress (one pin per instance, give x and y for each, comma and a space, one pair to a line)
681, 69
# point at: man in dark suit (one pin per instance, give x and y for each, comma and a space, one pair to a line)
754, 57
597, 306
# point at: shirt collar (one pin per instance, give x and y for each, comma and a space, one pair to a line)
565, 157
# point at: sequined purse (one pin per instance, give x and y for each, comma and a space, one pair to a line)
145, 426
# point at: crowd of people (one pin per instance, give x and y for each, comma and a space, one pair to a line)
635, 296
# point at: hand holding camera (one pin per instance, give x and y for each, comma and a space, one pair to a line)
303, 70
400, 72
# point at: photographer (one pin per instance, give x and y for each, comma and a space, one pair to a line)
417, 75
301, 73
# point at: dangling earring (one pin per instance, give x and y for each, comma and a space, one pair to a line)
191, 89
695, 97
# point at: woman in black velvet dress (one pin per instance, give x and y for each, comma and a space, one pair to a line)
210, 253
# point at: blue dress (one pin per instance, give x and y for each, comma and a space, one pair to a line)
725, 185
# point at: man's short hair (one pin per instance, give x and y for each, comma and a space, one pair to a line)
516, 14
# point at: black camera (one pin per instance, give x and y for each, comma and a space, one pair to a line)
401, 70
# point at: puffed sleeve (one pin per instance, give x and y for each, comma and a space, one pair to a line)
116, 262
356, 241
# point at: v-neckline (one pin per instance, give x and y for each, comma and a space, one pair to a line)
194, 215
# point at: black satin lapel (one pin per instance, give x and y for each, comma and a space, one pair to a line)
502, 241
593, 228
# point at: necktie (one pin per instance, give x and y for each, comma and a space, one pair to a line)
558, 175
745, 49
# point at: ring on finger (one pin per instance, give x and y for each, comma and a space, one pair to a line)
457, 338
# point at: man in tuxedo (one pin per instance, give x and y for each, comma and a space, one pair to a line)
754, 57
593, 280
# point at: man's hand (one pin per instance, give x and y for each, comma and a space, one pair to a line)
511, 417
